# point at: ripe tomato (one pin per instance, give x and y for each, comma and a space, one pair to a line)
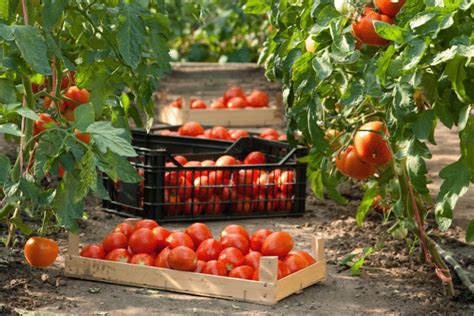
253, 259
113, 241
41, 252
283, 137
93, 251
143, 259
283, 202
209, 249
225, 160
180, 239
83, 137
199, 266
80, 96
371, 146
220, 132
295, 262
349, 163
69, 114
237, 103
231, 258
238, 134
266, 182
236, 240
146, 223
217, 105
60, 171
305, 255
215, 267
173, 205
178, 103
143, 240
242, 205
245, 181
283, 271
277, 244
263, 203
255, 158
235, 229
258, 99
258, 236
161, 234
364, 30
181, 159
44, 118
182, 258
380, 206
242, 272
191, 129
388, 7
198, 104
193, 206
233, 92
198, 233
124, 228
286, 182
119, 255
214, 206
161, 260
269, 132
202, 189
48, 101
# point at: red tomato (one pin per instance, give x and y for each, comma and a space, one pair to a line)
255, 158
79, 96
124, 228
83, 137
69, 114
236, 240
93, 251
370, 146
238, 134
283, 202
217, 105
202, 189
209, 249
226, 160
143, 240
228, 194
172, 204
231, 258
253, 259
364, 30
177, 239
350, 164
161, 260
44, 118
286, 182
161, 234
237, 103
48, 101
208, 163
146, 223
214, 205
198, 233
193, 206
388, 7
178, 103
182, 258
266, 182
113, 241
277, 244
235, 229
233, 92
215, 267
282, 137
60, 171
119, 255
283, 270
242, 205
258, 99
245, 181
242, 272
295, 262
181, 159
198, 104
271, 137
143, 259
191, 129
220, 132
199, 266
258, 236
263, 203
269, 132
305, 255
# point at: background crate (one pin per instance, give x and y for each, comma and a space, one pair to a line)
209, 81
154, 198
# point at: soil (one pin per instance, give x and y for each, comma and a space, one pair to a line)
392, 281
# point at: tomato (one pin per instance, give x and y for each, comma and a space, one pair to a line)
236, 240
193, 206
83, 137
161, 260
60, 171
266, 182
215, 267
198, 233
146, 223
182, 258
143, 240
245, 181
198, 104
238, 134
310, 44
209, 249
349, 163
283, 137
93, 251
235, 229
237, 103
389, 7
220, 132
295, 262
233, 92
215, 205
199, 266
48, 101
225, 160
217, 105
44, 118
380, 206
253, 259
363, 28
80, 96
305, 255
191, 129
143, 259
69, 114
173, 206
161, 234
119, 255
258, 99
286, 182
124, 228
283, 203
231, 257
113, 241
41, 252
263, 203
277, 244
242, 272
202, 189
180, 239
68, 79
181, 159
269, 132
178, 103
283, 270
258, 237
371, 146
255, 158
243, 204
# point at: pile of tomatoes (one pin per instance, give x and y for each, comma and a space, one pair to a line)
233, 98
235, 253
195, 129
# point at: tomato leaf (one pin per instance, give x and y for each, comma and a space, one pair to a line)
84, 116
99, 189
52, 11
364, 206
424, 126
317, 183
389, 31
10, 129
32, 47
4, 168
107, 137
467, 144
68, 211
7, 91
29, 187
256, 6
355, 268
413, 54
88, 176
118, 168
22, 226
470, 231
27, 112
130, 36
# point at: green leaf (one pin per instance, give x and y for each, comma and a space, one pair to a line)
107, 137
467, 144
22, 226
88, 176
366, 203
7, 91
10, 129
131, 36
256, 6
28, 113
68, 211
84, 116
383, 63
456, 72
322, 66
99, 190
4, 168
4, 9
29, 187
52, 11
390, 32
425, 125
355, 268
317, 183
412, 54
32, 47
118, 168
470, 231
316, 133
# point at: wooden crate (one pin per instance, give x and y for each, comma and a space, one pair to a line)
267, 291
208, 81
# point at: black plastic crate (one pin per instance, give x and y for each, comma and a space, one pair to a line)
170, 191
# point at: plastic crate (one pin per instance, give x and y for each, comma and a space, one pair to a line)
234, 195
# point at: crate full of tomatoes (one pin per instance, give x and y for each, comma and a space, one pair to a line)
251, 178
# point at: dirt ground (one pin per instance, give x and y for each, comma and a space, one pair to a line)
392, 281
